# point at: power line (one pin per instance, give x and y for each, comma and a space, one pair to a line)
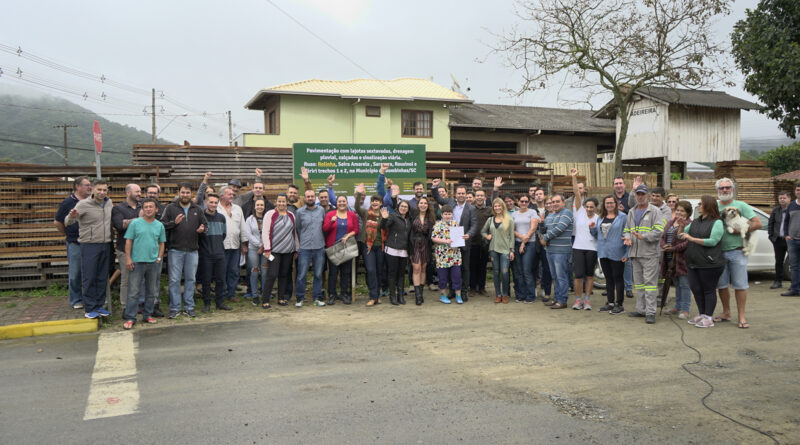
86, 112
42, 144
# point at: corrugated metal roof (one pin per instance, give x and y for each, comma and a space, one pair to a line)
700, 98
407, 89
681, 96
528, 118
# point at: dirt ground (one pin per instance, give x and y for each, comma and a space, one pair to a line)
590, 365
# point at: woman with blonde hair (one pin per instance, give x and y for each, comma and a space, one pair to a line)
499, 231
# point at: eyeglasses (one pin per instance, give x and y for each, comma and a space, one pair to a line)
725, 187
672, 202
523, 201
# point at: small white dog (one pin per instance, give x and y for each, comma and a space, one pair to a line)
736, 223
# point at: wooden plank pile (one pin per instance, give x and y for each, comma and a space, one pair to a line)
740, 170
463, 167
191, 162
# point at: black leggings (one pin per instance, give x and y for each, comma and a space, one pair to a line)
615, 284
397, 267
703, 283
279, 268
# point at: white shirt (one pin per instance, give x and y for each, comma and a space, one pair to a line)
583, 238
234, 224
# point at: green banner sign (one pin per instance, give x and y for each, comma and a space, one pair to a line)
353, 164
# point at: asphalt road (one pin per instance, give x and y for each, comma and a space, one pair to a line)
272, 381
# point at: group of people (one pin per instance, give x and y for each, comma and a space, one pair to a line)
643, 241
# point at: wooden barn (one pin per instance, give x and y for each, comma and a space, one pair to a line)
669, 127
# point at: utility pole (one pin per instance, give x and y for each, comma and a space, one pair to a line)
65, 126
230, 130
153, 110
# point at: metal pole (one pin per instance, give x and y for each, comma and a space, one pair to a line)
97, 164
230, 130
153, 111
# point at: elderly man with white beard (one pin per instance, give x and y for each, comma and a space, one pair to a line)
735, 273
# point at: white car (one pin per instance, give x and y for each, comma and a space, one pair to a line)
761, 260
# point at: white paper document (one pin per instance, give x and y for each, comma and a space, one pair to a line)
457, 235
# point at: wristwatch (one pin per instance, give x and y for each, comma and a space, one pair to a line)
158, 260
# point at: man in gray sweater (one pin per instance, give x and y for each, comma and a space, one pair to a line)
94, 217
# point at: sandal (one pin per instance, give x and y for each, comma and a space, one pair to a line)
266, 306
371, 303
282, 302
720, 319
744, 325
127, 325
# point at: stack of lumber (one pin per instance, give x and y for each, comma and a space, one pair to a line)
759, 192
191, 162
466, 166
740, 170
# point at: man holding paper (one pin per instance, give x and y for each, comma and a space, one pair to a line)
466, 216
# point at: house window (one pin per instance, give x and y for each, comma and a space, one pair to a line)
417, 123
272, 122
373, 111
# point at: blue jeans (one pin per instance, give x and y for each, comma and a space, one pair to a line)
627, 276
94, 274
793, 246
500, 273
524, 278
683, 295
735, 272
231, 272
181, 262
74, 267
256, 260
373, 262
142, 280
305, 257
559, 269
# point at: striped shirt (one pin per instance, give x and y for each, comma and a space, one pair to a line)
282, 235
559, 232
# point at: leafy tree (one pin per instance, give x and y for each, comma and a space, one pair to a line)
785, 158
617, 47
766, 46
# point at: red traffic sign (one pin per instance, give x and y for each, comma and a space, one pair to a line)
98, 137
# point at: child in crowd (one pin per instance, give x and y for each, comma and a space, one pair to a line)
448, 259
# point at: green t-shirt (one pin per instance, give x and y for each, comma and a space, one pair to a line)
146, 237
732, 241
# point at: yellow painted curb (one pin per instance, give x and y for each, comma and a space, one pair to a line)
48, 328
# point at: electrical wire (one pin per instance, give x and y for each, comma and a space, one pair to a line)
84, 112
5, 138
711, 387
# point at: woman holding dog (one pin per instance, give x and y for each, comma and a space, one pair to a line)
704, 260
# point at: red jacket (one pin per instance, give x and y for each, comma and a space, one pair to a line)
329, 227
678, 252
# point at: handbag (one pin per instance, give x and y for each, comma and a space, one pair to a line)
341, 252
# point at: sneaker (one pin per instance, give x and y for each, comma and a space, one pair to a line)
696, 320
459, 300
206, 308
683, 315
431, 287
298, 304
635, 314
191, 313
650, 319
607, 307
102, 312
77, 306
587, 306
628, 294
91, 315
254, 302
172, 315
444, 299
318, 303
224, 307
578, 304
518, 299
617, 310
706, 322
529, 301
157, 312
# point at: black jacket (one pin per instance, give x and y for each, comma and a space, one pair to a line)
183, 236
399, 231
774, 224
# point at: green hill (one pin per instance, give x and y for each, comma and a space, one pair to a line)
31, 120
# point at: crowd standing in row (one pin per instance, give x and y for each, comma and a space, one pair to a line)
643, 242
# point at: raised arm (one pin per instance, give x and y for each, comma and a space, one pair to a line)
576, 201
380, 186
435, 192
498, 182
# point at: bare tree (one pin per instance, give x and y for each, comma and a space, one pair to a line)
617, 46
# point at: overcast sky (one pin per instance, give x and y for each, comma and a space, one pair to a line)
212, 56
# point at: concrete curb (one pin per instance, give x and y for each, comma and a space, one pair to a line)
48, 328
